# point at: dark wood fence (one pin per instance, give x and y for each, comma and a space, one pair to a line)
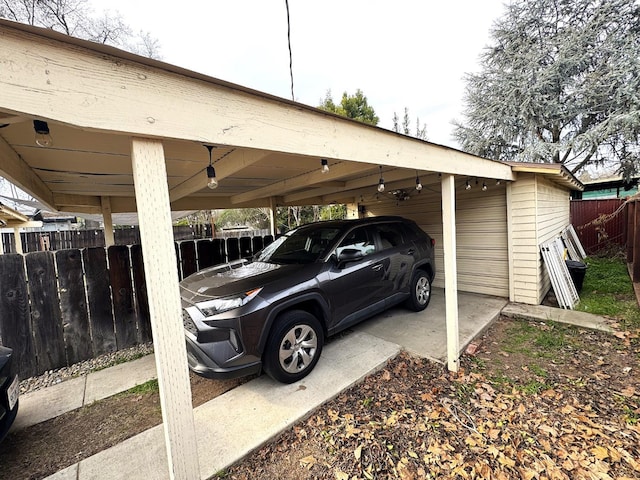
54, 240
601, 224
59, 308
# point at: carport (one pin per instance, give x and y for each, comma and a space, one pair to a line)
121, 133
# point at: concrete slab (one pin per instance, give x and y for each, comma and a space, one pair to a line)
49, 402
69, 473
116, 379
243, 419
425, 333
572, 317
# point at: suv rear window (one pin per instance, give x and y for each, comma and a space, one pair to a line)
390, 234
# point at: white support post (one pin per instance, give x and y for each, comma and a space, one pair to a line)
109, 239
18, 240
272, 215
152, 198
450, 269
353, 210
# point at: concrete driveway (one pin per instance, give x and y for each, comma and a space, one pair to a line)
240, 421
425, 334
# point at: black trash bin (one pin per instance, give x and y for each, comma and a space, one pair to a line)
577, 270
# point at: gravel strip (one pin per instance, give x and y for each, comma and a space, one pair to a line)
53, 377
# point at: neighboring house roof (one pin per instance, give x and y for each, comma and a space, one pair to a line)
10, 218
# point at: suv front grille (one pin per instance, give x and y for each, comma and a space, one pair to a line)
188, 323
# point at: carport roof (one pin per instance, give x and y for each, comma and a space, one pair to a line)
268, 150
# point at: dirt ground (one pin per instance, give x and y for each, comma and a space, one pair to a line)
535, 401
43, 449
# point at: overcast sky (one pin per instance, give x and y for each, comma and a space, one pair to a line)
400, 53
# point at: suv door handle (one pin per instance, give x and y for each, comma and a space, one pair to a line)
377, 268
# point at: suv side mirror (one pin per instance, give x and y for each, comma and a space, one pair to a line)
349, 255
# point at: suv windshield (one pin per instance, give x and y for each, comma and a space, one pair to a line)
302, 245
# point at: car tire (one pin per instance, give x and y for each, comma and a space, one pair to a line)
420, 293
294, 346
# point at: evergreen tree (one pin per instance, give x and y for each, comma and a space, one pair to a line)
559, 83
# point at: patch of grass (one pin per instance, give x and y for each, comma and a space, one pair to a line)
539, 371
608, 290
631, 415
536, 340
533, 387
551, 338
148, 387
478, 364
464, 391
501, 382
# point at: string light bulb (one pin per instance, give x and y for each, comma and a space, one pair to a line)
212, 181
381, 182
467, 186
418, 184
484, 186
325, 165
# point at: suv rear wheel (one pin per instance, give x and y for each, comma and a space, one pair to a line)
294, 346
420, 291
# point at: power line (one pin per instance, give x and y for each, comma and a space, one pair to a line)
286, 2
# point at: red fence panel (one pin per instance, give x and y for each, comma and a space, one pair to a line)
600, 224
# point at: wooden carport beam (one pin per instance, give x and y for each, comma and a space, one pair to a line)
156, 233
225, 167
91, 204
136, 93
369, 184
312, 178
14, 169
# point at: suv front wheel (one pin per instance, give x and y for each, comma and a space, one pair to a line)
294, 346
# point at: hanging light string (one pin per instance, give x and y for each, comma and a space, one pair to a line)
286, 2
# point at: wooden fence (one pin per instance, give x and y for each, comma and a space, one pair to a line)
601, 224
59, 308
65, 239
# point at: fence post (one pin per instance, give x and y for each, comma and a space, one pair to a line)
630, 209
636, 244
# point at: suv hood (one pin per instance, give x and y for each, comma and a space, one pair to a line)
231, 278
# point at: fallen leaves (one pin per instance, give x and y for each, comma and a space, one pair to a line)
421, 422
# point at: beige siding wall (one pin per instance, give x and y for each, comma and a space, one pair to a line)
481, 223
538, 211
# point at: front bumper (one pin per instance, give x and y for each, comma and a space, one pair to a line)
202, 364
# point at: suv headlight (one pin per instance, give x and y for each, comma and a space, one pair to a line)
223, 304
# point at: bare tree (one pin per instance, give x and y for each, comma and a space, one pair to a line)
76, 18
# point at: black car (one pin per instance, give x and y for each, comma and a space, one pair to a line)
9, 389
273, 312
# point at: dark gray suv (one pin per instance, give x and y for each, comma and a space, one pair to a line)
273, 312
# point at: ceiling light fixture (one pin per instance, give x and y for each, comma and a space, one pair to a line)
212, 181
325, 165
381, 182
43, 137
